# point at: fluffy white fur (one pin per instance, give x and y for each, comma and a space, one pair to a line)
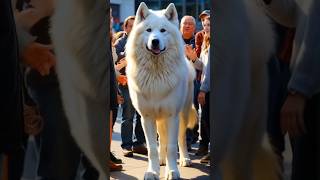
79, 31
243, 43
161, 87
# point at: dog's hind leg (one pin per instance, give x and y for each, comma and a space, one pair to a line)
162, 142
184, 159
150, 131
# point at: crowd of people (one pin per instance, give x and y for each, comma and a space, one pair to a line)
42, 126
197, 47
34, 107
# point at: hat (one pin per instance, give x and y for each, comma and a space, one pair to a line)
205, 12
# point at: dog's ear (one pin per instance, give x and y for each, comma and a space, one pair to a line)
171, 14
142, 13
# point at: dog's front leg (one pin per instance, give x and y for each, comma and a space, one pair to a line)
163, 138
150, 131
172, 171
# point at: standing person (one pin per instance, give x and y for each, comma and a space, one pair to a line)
128, 146
204, 94
300, 112
200, 34
279, 75
59, 153
15, 44
115, 99
187, 29
12, 136
203, 147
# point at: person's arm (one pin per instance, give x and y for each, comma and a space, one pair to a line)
120, 46
205, 84
306, 73
197, 64
282, 11
305, 79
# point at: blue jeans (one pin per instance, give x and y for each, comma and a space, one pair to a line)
127, 122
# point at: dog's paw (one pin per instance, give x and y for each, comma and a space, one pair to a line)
185, 162
151, 176
172, 175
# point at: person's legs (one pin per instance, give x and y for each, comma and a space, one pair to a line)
127, 119
205, 121
139, 145
59, 154
139, 132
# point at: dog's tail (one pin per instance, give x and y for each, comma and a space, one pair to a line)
192, 118
265, 160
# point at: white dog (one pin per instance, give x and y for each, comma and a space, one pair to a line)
160, 81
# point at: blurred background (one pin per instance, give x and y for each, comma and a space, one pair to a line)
124, 8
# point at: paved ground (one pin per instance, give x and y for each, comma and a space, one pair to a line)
135, 167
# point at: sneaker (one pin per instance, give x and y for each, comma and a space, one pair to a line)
114, 167
205, 159
141, 149
114, 159
203, 150
127, 152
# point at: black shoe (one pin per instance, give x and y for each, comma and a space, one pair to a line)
203, 150
114, 159
127, 152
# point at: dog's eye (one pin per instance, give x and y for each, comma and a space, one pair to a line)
149, 30
162, 30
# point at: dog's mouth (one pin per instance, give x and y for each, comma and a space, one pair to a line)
156, 51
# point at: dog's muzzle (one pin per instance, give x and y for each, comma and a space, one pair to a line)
155, 50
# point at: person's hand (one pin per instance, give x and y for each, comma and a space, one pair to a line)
122, 80
39, 57
190, 52
202, 98
121, 64
120, 99
292, 114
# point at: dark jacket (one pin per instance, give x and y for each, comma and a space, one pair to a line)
11, 121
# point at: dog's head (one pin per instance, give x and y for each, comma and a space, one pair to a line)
156, 29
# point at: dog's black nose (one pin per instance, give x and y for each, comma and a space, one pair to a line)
155, 42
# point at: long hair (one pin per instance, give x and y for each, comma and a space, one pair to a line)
206, 40
206, 43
